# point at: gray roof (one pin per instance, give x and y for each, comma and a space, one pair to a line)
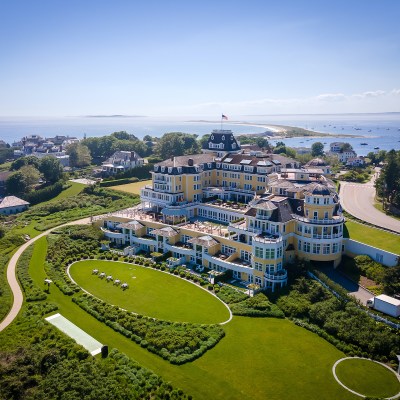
166, 231
13, 201
224, 137
206, 241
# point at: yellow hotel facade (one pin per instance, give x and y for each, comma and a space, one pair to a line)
225, 209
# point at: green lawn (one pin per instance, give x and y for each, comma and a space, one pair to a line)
259, 358
73, 190
368, 378
151, 292
133, 188
372, 236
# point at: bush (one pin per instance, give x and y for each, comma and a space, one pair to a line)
257, 306
229, 295
176, 342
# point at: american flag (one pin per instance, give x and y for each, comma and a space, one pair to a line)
224, 117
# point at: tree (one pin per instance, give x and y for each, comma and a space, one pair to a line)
20, 182
177, 144
262, 142
317, 149
346, 147
123, 135
79, 155
31, 175
51, 169
147, 138
28, 160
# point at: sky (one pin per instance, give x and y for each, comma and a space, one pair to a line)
198, 58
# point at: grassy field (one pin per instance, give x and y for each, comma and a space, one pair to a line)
133, 188
368, 378
151, 292
372, 236
259, 358
73, 190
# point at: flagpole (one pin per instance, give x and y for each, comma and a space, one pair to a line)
221, 121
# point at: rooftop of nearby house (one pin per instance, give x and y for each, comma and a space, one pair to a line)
12, 201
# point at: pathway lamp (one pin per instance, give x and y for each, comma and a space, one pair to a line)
47, 282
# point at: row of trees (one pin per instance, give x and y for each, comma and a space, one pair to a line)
28, 172
388, 183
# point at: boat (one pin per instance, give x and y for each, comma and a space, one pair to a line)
358, 129
364, 144
369, 130
376, 148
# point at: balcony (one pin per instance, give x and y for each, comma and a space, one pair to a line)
113, 234
268, 239
240, 227
144, 240
180, 248
235, 265
333, 236
278, 277
327, 221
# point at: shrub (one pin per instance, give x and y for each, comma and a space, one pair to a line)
257, 306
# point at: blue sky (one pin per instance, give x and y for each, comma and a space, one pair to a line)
198, 58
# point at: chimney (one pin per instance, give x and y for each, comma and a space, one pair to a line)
190, 162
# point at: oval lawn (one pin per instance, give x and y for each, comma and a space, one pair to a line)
367, 377
151, 292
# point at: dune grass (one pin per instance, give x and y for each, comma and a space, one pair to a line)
368, 378
151, 292
133, 188
372, 236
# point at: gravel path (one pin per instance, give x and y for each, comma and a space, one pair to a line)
12, 277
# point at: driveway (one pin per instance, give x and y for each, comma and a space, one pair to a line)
358, 200
350, 286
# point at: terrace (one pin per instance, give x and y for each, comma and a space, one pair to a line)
228, 205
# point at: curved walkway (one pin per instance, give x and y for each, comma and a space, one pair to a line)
12, 279
358, 200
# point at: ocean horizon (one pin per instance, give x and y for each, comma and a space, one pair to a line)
377, 129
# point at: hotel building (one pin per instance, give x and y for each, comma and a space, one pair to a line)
249, 213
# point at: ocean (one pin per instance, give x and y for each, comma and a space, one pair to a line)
377, 130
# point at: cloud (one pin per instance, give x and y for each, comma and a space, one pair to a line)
368, 101
331, 97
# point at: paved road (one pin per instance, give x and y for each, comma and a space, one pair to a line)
358, 200
12, 278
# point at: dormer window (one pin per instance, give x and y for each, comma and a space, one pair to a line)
223, 137
212, 137
233, 145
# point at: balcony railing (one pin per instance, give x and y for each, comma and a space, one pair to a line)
278, 276
242, 227
113, 234
325, 221
267, 239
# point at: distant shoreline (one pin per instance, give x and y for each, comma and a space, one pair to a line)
285, 131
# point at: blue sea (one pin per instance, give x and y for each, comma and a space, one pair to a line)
377, 130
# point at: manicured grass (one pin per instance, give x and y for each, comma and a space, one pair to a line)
259, 358
368, 378
151, 292
133, 188
373, 237
36, 270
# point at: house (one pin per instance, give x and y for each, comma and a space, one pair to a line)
246, 214
336, 147
356, 162
221, 142
121, 161
12, 205
319, 163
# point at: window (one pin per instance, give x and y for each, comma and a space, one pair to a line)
335, 247
269, 253
258, 266
316, 248
259, 252
315, 214
299, 245
326, 215
326, 249
307, 247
